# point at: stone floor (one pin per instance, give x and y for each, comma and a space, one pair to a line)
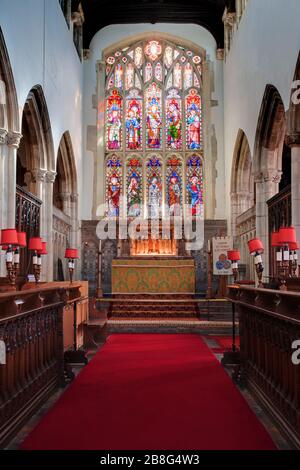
277, 437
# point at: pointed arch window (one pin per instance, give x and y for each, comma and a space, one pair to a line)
153, 103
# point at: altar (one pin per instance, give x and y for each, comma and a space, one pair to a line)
153, 275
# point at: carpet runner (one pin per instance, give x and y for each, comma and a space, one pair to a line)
151, 392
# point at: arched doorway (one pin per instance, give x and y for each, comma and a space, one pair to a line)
65, 206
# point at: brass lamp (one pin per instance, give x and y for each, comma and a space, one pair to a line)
35, 245
256, 249
11, 242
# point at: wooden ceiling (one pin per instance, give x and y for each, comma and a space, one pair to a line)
101, 13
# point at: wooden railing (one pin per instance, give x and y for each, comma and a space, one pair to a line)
269, 323
28, 209
31, 327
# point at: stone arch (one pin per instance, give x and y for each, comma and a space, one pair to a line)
65, 202
9, 142
36, 152
242, 184
9, 109
268, 154
36, 165
270, 133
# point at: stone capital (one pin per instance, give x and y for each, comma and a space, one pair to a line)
220, 54
272, 175
229, 18
293, 140
3, 136
74, 198
38, 175
14, 139
50, 176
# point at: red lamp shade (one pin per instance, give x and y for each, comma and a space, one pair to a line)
43, 251
22, 239
294, 246
275, 240
35, 244
9, 236
234, 255
71, 253
287, 235
255, 246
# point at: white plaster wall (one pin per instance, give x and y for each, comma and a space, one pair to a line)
264, 51
41, 52
116, 33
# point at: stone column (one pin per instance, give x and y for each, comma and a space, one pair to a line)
99, 168
294, 142
9, 143
267, 184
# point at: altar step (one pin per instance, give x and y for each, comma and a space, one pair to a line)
154, 308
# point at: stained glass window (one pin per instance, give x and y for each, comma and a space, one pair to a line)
153, 103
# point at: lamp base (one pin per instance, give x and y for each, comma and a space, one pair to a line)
76, 357
231, 358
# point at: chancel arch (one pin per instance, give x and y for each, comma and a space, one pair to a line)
65, 204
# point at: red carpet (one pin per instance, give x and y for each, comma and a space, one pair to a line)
151, 392
225, 342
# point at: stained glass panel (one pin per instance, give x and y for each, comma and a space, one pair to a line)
193, 120
188, 76
119, 76
134, 115
153, 50
174, 121
194, 188
177, 76
154, 116
138, 58
168, 56
129, 77
134, 187
154, 187
113, 186
174, 185
148, 72
114, 121
158, 72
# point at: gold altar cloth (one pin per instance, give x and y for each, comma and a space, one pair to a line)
153, 276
